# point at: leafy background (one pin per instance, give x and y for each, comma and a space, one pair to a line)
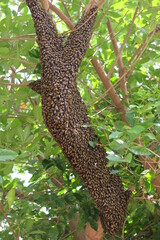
40, 191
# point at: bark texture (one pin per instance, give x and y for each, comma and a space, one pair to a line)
65, 113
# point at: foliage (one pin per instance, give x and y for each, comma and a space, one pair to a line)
40, 191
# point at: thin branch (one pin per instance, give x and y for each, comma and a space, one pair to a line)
14, 84
5, 215
136, 53
79, 12
144, 46
141, 46
123, 228
12, 76
17, 59
100, 4
121, 66
97, 24
125, 40
136, 237
64, 5
110, 88
56, 182
17, 38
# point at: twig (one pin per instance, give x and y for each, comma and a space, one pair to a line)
100, 4
5, 215
64, 5
136, 237
79, 12
14, 84
125, 40
121, 66
17, 38
97, 24
123, 228
144, 198
12, 76
17, 59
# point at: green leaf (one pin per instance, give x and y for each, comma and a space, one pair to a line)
136, 129
150, 206
4, 51
115, 158
128, 158
89, 52
11, 197
37, 232
145, 172
1, 180
119, 125
37, 111
53, 233
117, 145
92, 143
27, 132
6, 155
140, 151
130, 117
81, 224
116, 171
34, 53
150, 136
115, 135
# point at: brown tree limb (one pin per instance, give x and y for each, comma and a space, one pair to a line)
122, 68
62, 16
110, 89
91, 234
100, 3
45, 5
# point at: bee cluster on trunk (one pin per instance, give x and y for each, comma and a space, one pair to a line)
65, 114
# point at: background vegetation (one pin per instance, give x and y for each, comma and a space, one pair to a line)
41, 195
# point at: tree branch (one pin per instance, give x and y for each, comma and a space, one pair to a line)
62, 16
5, 215
45, 5
14, 84
64, 5
120, 63
17, 38
125, 40
17, 59
110, 89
